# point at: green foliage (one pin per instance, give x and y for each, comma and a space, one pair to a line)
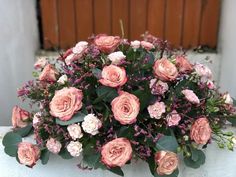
25, 131
116, 170
10, 142
65, 154
144, 97
79, 117
106, 94
168, 143
44, 156
196, 159
97, 73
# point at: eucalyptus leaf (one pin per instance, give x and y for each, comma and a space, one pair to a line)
144, 97
106, 94
44, 156
23, 132
168, 143
96, 72
11, 139
196, 160
65, 154
79, 117
11, 150
91, 159
116, 170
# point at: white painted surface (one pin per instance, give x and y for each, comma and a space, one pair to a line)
18, 43
219, 163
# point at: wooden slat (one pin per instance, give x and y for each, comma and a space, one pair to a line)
49, 23
120, 10
192, 20
67, 27
84, 19
102, 16
138, 20
156, 17
210, 22
174, 17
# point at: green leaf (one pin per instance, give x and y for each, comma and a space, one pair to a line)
106, 94
144, 97
125, 131
11, 150
11, 139
196, 160
96, 72
232, 120
44, 156
116, 170
23, 132
79, 117
65, 154
91, 159
168, 143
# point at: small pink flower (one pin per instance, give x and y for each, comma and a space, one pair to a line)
40, 63
116, 57
135, 44
183, 64
49, 74
203, 71
191, 96
106, 43
19, 117
158, 87
53, 145
156, 110
210, 84
173, 118
147, 45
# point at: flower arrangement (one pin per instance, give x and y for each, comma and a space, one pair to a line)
110, 101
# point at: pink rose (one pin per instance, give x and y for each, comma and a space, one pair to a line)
165, 70
156, 110
49, 74
125, 108
28, 154
191, 96
201, 131
173, 118
147, 45
183, 64
167, 162
158, 87
116, 152
113, 76
40, 63
106, 43
65, 103
203, 71
19, 117
53, 145
135, 44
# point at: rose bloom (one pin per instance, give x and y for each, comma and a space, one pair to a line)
165, 70
66, 102
183, 64
116, 57
106, 43
49, 74
63, 79
191, 96
28, 154
91, 124
19, 117
158, 87
201, 131
173, 118
167, 162
75, 148
75, 131
40, 63
125, 108
53, 145
147, 45
210, 84
203, 71
113, 76
227, 98
156, 110
116, 153
135, 44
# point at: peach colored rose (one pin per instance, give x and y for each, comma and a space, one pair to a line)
113, 76
106, 43
19, 117
183, 64
65, 103
116, 152
147, 45
49, 74
201, 131
28, 153
40, 63
167, 162
125, 108
165, 70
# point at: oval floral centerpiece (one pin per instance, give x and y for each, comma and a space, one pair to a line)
110, 100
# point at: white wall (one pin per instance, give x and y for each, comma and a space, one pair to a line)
18, 43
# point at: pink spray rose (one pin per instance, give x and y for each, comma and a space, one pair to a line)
125, 108
147, 45
135, 44
49, 74
107, 44
203, 71
165, 70
173, 118
28, 153
116, 57
40, 63
158, 87
116, 152
113, 76
19, 117
53, 145
65, 103
191, 96
156, 110
201, 131
183, 64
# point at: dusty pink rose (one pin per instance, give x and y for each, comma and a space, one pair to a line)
49, 74
173, 118
165, 70
28, 154
116, 152
40, 63
53, 145
19, 117
125, 108
210, 84
65, 103
191, 96
167, 162
201, 131
106, 43
156, 110
113, 76
147, 45
203, 71
158, 87
183, 64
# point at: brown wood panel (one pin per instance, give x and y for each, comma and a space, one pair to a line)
156, 17
174, 18
120, 10
67, 27
192, 21
84, 19
138, 18
49, 23
102, 16
210, 22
